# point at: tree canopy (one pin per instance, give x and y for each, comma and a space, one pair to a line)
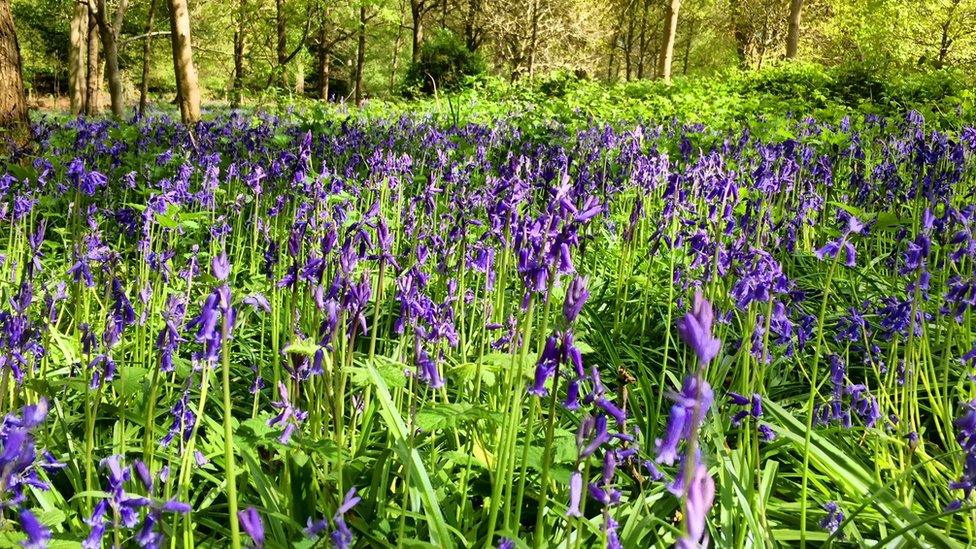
253, 48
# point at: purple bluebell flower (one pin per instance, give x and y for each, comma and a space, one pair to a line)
699, 499
695, 328
694, 393
834, 517
253, 526
546, 366
97, 525
843, 244
576, 296
19, 463
37, 534
575, 494
314, 528
259, 302
342, 537
289, 416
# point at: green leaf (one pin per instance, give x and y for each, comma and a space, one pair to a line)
439, 533
391, 370
853, 478
130, 380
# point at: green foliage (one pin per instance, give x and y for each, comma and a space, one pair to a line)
445, 64
560, 82
766, 100
42, 30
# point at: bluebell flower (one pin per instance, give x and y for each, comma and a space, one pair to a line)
37, 534
834, 517
695, 328
253, 526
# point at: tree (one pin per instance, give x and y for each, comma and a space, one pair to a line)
418, 9
667, 48
360, 55
793, 35
330, 36
533, 35
282, 56
188, 88
281, 42
146, 50
109, 32
93, 73
13, 103
240, 17
474, 31
77, 52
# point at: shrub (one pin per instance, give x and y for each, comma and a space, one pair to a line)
445, 64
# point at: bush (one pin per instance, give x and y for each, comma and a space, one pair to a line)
799, 84
445, 64
560, 82
858, 83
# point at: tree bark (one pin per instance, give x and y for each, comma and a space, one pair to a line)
146, 53
533, 36
13, 103
397, 44
77, 44
691, 36
325, 63
613, 53
628, 46
282, 43
945, 42
667, 48
93, 81
417, 9
793, 34
108, 30
300, 78
360, 56
642, 40
741, 33
237, 95
188, 87
472, 31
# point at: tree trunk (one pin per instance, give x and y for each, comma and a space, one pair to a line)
793, 35
642, 40
13, 103
945, 41
146, 54
740, 33
360, 55
188, 95
300, 78
108, 30
613, 53
325, 65
77, 44
238, 93
533, 37
417, 20
93, 81
472, 34
691, 36
628, 46
282, 44
667, 48
397, 44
